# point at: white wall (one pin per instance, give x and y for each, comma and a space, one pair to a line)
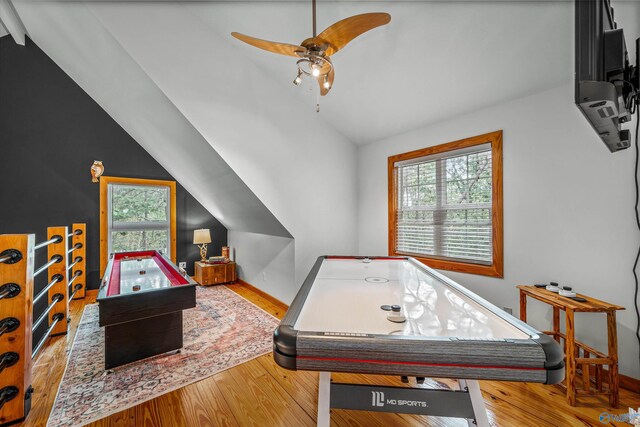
266, 262
568, 208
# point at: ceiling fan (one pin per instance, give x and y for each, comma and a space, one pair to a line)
315, 52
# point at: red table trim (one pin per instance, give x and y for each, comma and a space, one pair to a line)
383, 258
171, 273
391, 362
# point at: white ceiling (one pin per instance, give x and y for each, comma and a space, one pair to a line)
433, 61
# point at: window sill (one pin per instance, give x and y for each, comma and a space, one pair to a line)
494, 270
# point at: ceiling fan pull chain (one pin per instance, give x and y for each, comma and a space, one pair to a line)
317, 102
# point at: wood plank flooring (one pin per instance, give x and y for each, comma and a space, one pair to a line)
260, 393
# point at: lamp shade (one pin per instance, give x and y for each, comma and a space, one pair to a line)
201, 236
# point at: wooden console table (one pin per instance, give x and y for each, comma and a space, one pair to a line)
215, 274
572, 347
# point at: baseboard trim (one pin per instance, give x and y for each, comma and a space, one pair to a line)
263, 294
630, 383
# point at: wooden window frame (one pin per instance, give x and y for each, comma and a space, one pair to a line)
496, 269
104, 214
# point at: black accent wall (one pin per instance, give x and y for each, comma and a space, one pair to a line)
51, 131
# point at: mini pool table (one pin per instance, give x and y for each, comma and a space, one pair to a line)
141, 299
339, 322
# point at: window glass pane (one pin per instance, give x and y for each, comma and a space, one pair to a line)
480, 165
456, 192
132, 203
427, 195
140, 240
427, 173
456, 168
410, 175
480, 191
411, 197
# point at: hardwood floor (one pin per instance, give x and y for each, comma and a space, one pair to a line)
260, 393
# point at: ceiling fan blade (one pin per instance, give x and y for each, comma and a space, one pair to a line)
342, 32
275, 47
325, 90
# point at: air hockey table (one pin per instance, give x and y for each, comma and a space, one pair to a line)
339, 322
141, 299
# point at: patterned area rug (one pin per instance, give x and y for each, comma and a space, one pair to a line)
223, 331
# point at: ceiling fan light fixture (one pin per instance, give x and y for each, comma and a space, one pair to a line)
314, 52
314, 66
298, 79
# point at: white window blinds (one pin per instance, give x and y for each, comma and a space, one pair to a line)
444, 206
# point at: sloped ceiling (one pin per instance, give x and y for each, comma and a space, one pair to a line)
238, 112
81, 46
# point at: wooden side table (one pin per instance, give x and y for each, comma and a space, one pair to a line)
573, 347
215, 274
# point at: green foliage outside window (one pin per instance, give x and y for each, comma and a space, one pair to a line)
139, 204
133, 203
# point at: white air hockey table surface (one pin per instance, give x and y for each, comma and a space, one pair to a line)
348, 293
336, 324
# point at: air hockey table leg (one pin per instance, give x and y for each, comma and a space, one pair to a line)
324, 399
477, 402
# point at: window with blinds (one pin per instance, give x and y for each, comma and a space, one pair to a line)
441, 205
444, 205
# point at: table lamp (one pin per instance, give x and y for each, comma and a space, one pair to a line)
201, 237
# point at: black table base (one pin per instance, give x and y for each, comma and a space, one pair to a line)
131, 341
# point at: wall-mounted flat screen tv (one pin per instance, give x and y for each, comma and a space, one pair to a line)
605, 81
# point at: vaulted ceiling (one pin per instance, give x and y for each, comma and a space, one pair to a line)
435, 60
